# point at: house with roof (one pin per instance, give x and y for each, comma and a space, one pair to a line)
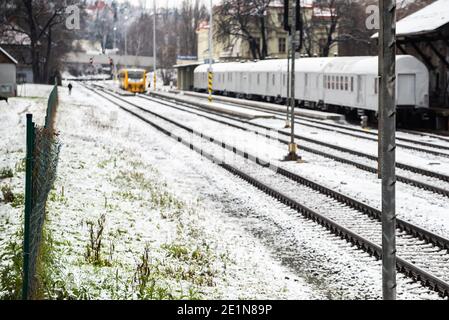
8, 80
316, 17
17, 44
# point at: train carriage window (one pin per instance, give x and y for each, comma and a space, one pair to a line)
258, 79
306, 80
346, 84
342, 83
274, 80
352, 84
337, 85
375, 85
324, 82
333, 82
329, 82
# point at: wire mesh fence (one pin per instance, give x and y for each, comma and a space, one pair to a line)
43, 148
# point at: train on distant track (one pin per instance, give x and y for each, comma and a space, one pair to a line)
341, 84
133, 80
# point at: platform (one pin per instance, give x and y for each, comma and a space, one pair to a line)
314, 114
214, 106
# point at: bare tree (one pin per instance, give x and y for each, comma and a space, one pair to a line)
39, 21
192, 12
354, 38
244, 20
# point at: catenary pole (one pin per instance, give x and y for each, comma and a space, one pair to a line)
126, 40
387, 103
287, 123
154, 46
292, 147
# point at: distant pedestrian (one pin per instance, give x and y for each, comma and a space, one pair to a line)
70, 89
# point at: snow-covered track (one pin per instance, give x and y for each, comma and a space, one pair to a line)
429, 262
372, 169
352, 131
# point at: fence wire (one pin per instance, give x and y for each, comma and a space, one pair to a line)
44, 162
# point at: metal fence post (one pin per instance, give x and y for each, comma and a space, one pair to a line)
387, 61
28, 205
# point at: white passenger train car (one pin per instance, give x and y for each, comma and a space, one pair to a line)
350, 83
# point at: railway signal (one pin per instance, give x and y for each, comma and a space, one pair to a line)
211, 54
288, 17
387, 126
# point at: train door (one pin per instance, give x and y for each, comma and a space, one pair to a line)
243, 83
267, 84
406, 90
360, 91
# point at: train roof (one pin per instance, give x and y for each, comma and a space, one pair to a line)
349, 65
132, 69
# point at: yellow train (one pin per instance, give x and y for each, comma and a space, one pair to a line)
133, 80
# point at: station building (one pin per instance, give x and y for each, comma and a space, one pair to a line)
425, 35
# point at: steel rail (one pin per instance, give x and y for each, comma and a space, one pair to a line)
409, 181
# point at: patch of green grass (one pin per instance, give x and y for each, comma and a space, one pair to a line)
150, 281
54, 196
15, 199
6, 173
94, 252
129, 196
11, 271
193, 264
159, 198
21, 165
176, 251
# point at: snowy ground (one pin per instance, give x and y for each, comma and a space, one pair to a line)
424, 208
207, 233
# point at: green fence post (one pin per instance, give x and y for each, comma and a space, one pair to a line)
28, 204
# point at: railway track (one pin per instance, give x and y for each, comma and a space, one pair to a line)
325, 153
355, 132
422, 255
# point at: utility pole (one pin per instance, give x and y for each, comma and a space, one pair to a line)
115, 36
287, 121
211, 53
126, 40
154, 45
292, 147
387, 103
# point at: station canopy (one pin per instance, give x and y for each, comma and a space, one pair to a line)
427, 20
